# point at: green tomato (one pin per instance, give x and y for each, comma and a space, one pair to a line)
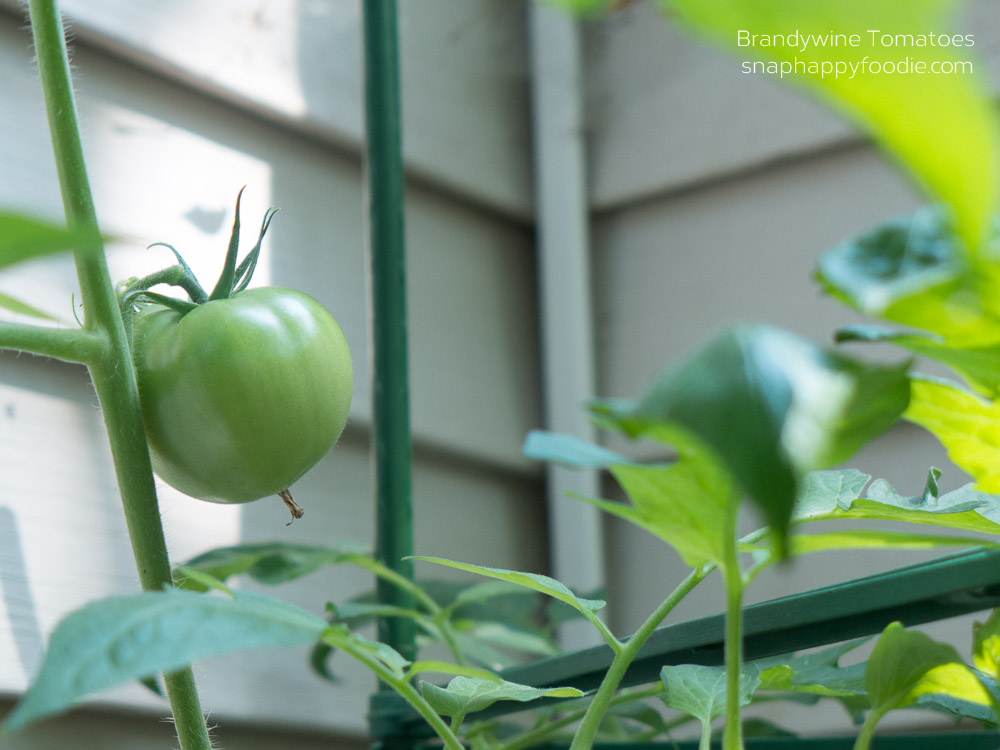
241, 396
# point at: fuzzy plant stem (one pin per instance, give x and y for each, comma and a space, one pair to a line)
584, 738
111, 365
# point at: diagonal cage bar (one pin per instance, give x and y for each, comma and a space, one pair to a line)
926, 592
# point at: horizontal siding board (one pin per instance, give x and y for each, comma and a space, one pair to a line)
463, 66
672, 271
666, 111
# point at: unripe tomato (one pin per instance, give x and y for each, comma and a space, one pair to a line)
241, 396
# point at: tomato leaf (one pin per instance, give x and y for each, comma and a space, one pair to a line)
912, 270
701, 691
817, 673
223, 288
366, 651
986, 646
570, 451
23, 237
965, 424
906, 665
23, 308
131, 637
963, 509
801, 544
543, 584
771, 406
268, 562
942, 127
465, 695
979, 365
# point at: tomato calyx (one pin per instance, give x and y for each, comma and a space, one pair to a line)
234, 278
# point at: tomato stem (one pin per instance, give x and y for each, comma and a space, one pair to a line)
619, 666
112, 372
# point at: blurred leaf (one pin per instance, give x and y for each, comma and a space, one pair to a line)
23, 237
941, 127
443, 667
980, 366
683, 504
466, 695
497, 634
131, 637
878, 539
271, 562
966, 425
770, 405
817, 673
986, 646
955, 707
23, 308
570, 451
365, 650
913, 271
701, 691
760, 728
535, 582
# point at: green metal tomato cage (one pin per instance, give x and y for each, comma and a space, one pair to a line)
948, 587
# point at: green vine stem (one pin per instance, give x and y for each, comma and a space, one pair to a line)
864, 738
732, 735
110, 363
79, 346
584, 738
543, 733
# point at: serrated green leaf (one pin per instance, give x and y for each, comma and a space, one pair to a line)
964, 509
701, 691
465, 695
23, 237
125, 638
23, 308
771, 406
967, 426
543, 584
941, 127
822, 492
905, 665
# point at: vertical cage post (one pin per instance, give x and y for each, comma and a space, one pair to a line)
387, 300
